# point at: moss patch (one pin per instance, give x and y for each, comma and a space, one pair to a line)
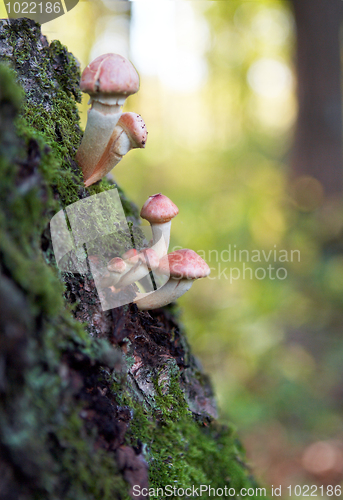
183, 452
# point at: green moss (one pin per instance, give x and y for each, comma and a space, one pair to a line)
69, 77
42, 410
181, 451
13, 94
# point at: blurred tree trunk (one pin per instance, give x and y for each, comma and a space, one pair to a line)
318, 140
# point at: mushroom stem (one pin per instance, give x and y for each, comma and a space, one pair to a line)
168, 293
97, 135
129, 133
160, 238
136, 273
138, 267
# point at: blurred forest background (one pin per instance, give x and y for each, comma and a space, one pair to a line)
242, 101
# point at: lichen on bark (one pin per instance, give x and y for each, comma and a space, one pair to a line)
91, 402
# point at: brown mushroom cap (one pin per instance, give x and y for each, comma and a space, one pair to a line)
110, 74
159, 209
184, 264
135, 128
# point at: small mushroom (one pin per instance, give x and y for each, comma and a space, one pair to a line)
129, 133
159, 211
115, 269
183, 266
109, 80
139, 265
116, 265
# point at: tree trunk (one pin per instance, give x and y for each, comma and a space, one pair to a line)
318, 140
93, 404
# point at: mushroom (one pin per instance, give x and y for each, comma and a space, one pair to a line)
116, 265
183, 266
130, 254
134, 266
109, 80
115, 269
139, 264
159, 210
129, 133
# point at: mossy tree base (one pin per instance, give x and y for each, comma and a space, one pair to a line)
91, 402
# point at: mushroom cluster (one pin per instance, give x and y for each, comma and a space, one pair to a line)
109, 135
180, 267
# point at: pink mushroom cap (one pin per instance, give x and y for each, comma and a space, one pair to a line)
110, 74
135, 128
148, 256
159, 209
151, 259
129, 254
116, 265
184, 264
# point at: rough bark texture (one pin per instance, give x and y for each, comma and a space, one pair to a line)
318, 140
91, 402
